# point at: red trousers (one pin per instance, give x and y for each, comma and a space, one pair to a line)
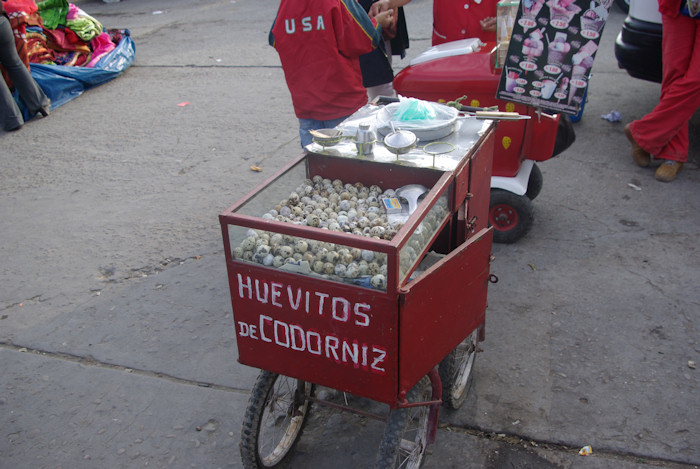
664, 131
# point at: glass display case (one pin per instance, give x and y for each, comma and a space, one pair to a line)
356, 222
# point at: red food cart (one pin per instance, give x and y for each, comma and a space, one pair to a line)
407, 297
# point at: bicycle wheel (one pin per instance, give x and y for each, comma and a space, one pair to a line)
456, 371
406, 432
274, 419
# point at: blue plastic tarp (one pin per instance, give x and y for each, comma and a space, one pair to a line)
64, 83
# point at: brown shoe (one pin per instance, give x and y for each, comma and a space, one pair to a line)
668, 170
640, 155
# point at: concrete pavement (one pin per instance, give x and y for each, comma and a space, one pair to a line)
116, 337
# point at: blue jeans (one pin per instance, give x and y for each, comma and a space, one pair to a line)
312, 124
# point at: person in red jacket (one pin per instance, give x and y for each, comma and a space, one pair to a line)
663, 132
462, 19
319, 43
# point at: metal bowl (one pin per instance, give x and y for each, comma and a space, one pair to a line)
327, 137
400, 141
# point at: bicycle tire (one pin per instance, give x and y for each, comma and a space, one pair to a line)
275, 417
406, 433
456, 371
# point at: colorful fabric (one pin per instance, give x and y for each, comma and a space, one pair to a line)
65, 40
80, 43
319, 43
101, 46
18, 23
85, 26
73, 12
73, 58
20, 6
53, 12
38, 51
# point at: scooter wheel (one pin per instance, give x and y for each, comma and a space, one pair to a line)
510, 215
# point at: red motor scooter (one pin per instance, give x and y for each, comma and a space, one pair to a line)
467, 68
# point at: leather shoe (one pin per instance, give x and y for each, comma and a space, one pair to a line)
640, 155
44, 111
668, 170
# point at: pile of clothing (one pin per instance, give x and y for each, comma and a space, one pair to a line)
58, 33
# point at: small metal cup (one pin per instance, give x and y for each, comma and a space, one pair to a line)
365, 139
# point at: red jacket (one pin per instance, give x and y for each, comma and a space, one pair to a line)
319, 43
670, 7
459, 19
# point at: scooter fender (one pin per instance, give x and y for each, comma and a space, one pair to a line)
517, 184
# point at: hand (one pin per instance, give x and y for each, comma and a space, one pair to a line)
488, 24
385, 18
378, 7
384, 5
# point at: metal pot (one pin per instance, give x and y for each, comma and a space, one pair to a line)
400, 141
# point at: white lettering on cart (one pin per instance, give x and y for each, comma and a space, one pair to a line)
368, 357
317, 338
332, 349
351, 351
247, 285
365, 316
263, 320
379, 358
321, 299
293, 328
276, 287
262, 300
284, 326
295, 306
247, 330
344, 310
340, 309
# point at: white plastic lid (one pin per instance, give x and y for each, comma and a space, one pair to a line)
448, 49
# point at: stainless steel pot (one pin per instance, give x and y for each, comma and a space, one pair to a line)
400, 141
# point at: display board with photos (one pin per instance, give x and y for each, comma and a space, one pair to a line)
551, 52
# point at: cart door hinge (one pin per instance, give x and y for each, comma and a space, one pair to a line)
472, 223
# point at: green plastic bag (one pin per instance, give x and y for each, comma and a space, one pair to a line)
413, 110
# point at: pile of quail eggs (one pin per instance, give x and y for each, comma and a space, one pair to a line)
333, 205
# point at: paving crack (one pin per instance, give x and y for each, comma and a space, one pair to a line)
92, 362
514, 439
109, 274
